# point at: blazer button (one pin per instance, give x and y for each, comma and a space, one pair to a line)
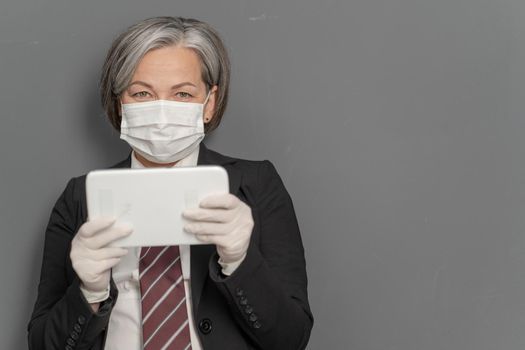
68, 347
248, 310
205, 326
256, 325
70, 342
74, 335
243, 301
253, 317
81, 320
239, 292
77, 328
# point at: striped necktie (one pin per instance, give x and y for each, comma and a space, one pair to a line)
164, 315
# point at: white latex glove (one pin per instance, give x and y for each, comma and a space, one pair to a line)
91, 258
223, 220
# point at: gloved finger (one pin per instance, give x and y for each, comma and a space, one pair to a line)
208, 215
211, 239
103, 238
206, 228
89, 228
224, 201
108, 253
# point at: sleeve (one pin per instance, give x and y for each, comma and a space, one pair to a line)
62, 318
268, 291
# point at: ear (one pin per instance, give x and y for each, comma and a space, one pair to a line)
209, 109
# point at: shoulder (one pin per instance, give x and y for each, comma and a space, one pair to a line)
211, 157
255, 179
251, 168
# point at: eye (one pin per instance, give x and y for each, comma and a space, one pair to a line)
183, 95
141, 94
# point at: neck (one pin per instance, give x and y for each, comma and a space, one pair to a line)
149, 164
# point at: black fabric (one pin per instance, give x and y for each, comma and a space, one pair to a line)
262, 305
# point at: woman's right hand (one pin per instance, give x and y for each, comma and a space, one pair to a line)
90, 255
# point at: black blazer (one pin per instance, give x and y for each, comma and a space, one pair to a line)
262, 305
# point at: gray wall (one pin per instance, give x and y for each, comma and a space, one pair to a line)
396, 125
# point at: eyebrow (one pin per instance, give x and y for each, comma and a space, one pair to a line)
176, 86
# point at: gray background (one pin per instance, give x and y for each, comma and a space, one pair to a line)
396, 125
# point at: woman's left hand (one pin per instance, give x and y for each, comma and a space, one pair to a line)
223, 220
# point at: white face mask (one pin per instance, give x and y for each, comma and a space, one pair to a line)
163, 131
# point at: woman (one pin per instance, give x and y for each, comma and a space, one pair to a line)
164, 86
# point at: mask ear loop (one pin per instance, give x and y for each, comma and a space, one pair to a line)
207, 98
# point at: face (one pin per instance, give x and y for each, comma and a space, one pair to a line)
171, 73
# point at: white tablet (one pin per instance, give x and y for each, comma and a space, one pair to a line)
152, 200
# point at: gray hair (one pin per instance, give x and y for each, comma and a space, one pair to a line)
130, 47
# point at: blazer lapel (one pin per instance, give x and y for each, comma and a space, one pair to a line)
209, 157
201, 254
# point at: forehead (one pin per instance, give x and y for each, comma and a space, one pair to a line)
172, 63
